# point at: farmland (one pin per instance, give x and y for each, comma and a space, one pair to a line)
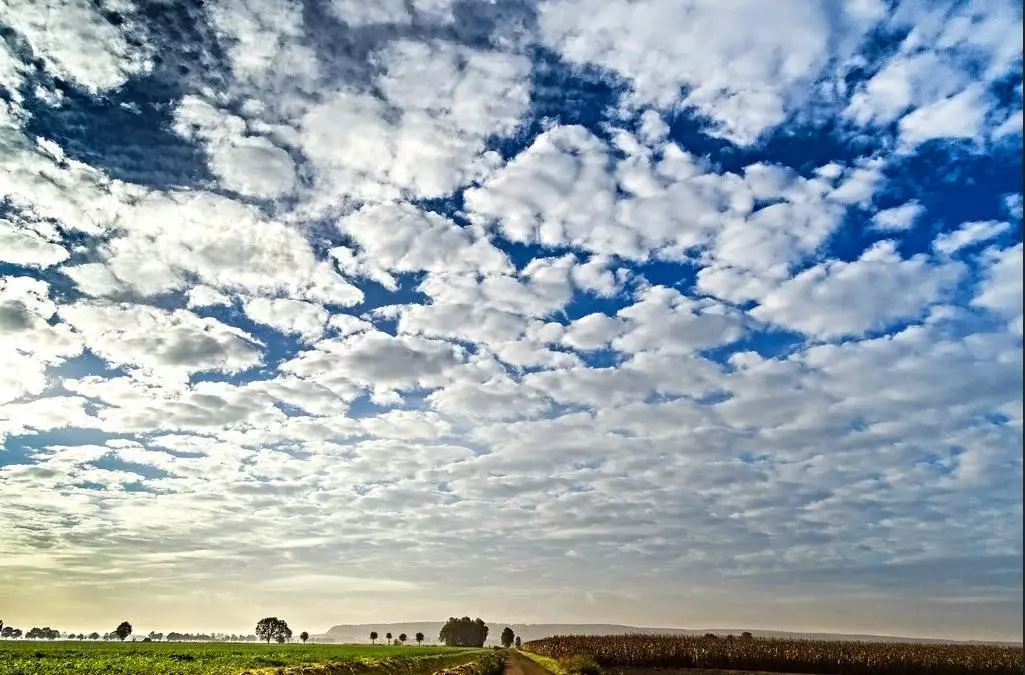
632, 654
139, 658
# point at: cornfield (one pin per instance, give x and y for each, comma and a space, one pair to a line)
783, 656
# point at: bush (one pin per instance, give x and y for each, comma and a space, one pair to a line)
580, 664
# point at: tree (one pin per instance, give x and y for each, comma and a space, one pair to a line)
388, 636
518, 643
402, 638
464, 632
373, 637
507, 637
273, 628
94, 636
123, 630
746, 635
419, 638
304, 636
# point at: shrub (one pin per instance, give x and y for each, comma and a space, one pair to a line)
580, 664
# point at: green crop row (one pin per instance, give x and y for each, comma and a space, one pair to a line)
137, 658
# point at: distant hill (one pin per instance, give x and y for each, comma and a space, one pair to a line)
430, 629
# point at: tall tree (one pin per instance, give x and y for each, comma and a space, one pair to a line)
373, 637
304, 636
464, 632
419, 638
123, 630
388, 637
273, 628
403, 638
507, 637
518, 643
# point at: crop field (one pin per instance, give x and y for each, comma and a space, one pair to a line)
181, 658
628, 653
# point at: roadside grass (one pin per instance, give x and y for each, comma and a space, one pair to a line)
549, 664
184, 658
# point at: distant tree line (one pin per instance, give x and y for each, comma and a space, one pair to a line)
400, 640
124, 630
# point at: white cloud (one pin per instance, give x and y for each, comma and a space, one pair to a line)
252, 165
166, 238
29, 342
561, 191
378, 361
664, 320
960, 116
289, 316
74, 40
167, 344
593, 331
718, 58
906, 82
204, 296
357, 13
30, 244
1001, 288
898, 218
446, 99
969, 234
837, 298
401, 238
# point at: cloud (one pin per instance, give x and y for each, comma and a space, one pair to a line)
249, 164
289, 316
167, 344
898, 218
77, 41
969, 234
959, 116
446, 100
30, 244
742, 79
1001, 288
836, 298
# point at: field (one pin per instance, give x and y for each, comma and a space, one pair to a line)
631, 654
178, 658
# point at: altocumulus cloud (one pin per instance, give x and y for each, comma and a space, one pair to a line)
654, 311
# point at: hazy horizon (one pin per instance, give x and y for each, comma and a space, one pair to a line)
650, 312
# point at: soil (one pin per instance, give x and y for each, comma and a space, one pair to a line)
517, 664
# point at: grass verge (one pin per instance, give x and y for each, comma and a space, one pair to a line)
549, 664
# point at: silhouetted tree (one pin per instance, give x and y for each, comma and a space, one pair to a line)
123, 630
746, 635
304, 636
464, 632
518, 643
94, 636
402, 638
273, 628
507, 637
45, 633
373, 637
419, 638
388, 637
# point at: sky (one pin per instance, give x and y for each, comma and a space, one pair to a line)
691, 313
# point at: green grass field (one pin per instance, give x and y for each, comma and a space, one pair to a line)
178, 658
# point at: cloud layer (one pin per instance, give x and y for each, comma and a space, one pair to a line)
678, 313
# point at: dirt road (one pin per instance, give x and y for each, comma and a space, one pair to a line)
518, 664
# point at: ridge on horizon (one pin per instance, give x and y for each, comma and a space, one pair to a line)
534, 631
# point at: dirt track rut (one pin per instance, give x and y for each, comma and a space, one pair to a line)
517, 664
